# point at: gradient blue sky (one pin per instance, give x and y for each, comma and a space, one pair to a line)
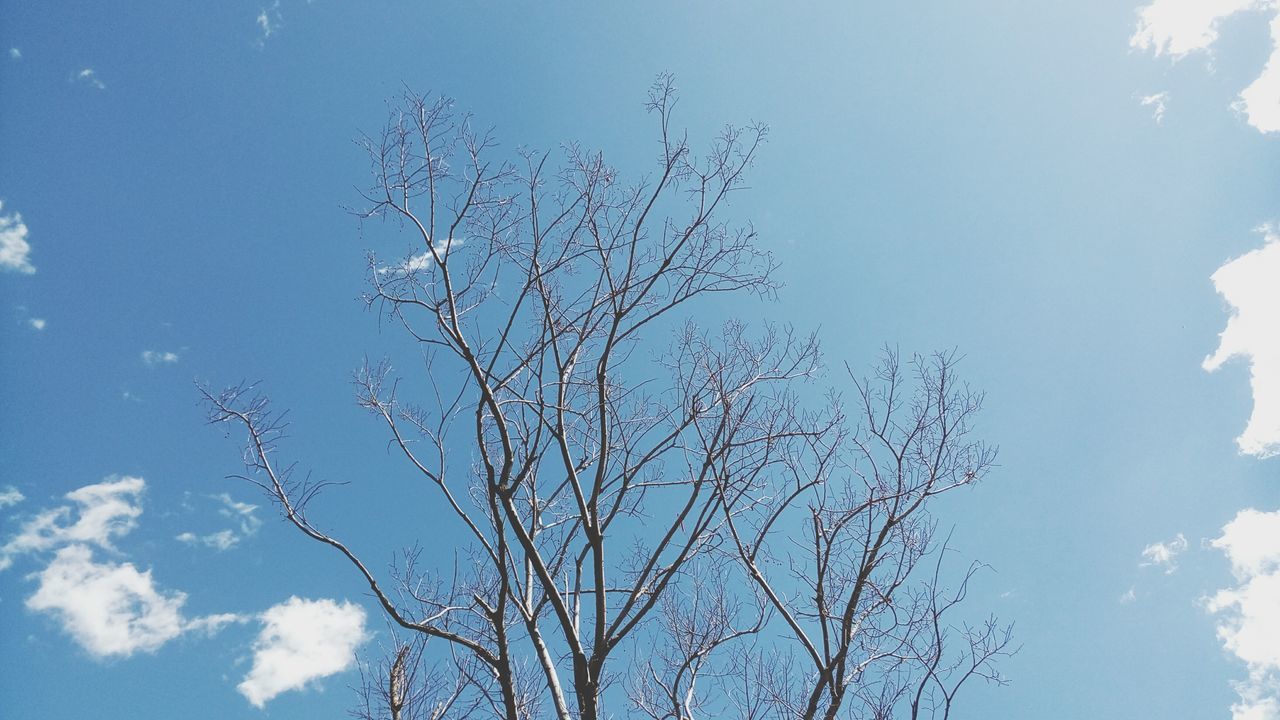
1047, 187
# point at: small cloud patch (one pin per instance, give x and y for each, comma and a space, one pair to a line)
1164, 555
89, 76
269, 21
242, 514
421, 261
155, 357
15, 251
1158, 103
301, 642
9, 495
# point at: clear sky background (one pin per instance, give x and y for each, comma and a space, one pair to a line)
1048, 187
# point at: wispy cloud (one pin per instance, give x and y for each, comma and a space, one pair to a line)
15, 252
15, 53
422, 261
411, 265
89, 77
103, 511
1249, 284
1249, 620
220, 540
247, 524
37, 323
1178, 28
302, 641
1165, 554
157, 357
9, 495
269, 21
1158, 104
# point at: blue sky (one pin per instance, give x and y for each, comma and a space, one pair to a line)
1080, 198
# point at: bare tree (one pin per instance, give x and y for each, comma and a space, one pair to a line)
665, 529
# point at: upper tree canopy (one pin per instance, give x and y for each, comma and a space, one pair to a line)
659, 522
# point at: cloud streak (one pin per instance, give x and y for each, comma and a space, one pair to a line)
157, 357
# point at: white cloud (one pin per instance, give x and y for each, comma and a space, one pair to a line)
242, 512
221, 540
1252, 544
269, 20
104, 511
14, 249
156, 357
412, 265
1249, 613
1180, 27
1260, 102
15, 53
37, 323
109, 609
9, 495
422, 261
1165, 555
1129, 596
302, 641
247, 523
89, 77
1251, 285
211, 624
1158, 103
113, 609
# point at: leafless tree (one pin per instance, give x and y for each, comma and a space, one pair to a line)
668, 529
